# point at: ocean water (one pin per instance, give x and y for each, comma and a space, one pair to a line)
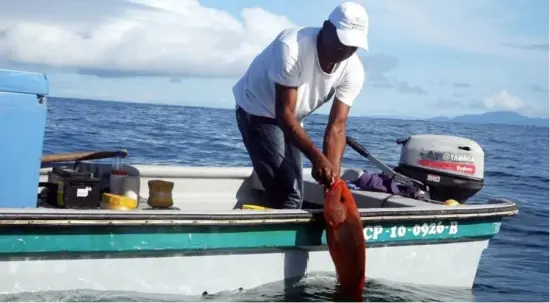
513, 268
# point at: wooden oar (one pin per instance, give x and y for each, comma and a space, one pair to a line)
81, 156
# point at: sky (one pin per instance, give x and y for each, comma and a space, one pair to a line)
426, 57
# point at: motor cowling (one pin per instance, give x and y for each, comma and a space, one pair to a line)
452, 167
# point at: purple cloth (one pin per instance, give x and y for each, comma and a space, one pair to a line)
379, 182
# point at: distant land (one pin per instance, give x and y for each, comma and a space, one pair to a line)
496, 117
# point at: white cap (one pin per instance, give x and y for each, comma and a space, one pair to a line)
352, 24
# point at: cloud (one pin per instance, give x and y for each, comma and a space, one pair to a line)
461, 85
539, 89
135, 37
381, 81
500, 101
477, 105
471, 26
407, 88
379, 63
447, 104
529, 47
505, 101
458, 95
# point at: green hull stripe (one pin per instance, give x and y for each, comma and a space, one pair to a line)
158, 238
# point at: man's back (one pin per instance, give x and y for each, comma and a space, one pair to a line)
292, 60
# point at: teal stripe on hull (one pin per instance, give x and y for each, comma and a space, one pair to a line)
50, 239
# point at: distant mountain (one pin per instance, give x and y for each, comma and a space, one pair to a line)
496, 117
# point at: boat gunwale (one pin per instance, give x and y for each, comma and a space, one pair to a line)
119, 218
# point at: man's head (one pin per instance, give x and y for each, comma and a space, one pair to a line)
345, 30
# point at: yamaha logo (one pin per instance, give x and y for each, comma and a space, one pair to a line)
446, 156
457, 157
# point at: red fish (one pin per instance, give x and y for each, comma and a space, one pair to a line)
345, 239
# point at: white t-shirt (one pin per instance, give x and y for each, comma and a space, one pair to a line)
292, 60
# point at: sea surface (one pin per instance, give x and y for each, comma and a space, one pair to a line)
513, 268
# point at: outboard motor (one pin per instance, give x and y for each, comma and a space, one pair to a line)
452, 167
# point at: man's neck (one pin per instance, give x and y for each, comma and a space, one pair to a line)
326, 65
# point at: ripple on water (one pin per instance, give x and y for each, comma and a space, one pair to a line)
317, 288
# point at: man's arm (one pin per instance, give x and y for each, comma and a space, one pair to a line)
285, 103
284, 71
334, 140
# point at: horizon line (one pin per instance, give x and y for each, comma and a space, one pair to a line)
378, 116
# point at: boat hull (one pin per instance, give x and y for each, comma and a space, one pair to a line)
441, 264
191, 260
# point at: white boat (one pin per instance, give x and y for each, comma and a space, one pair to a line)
209, 244
206, 242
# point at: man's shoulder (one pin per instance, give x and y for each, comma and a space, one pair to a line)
354, 68
354, 64
353, 73
297, 37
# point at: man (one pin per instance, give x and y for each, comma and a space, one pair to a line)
302, 69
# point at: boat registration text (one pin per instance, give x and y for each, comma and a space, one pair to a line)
415, 231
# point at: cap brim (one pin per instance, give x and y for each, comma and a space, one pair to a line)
354, 38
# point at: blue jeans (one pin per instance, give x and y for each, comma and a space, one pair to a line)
276, 161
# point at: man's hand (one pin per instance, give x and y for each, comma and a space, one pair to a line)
323, 172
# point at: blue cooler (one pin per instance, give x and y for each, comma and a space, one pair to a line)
22, 126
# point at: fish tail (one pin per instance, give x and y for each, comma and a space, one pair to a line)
344, 294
